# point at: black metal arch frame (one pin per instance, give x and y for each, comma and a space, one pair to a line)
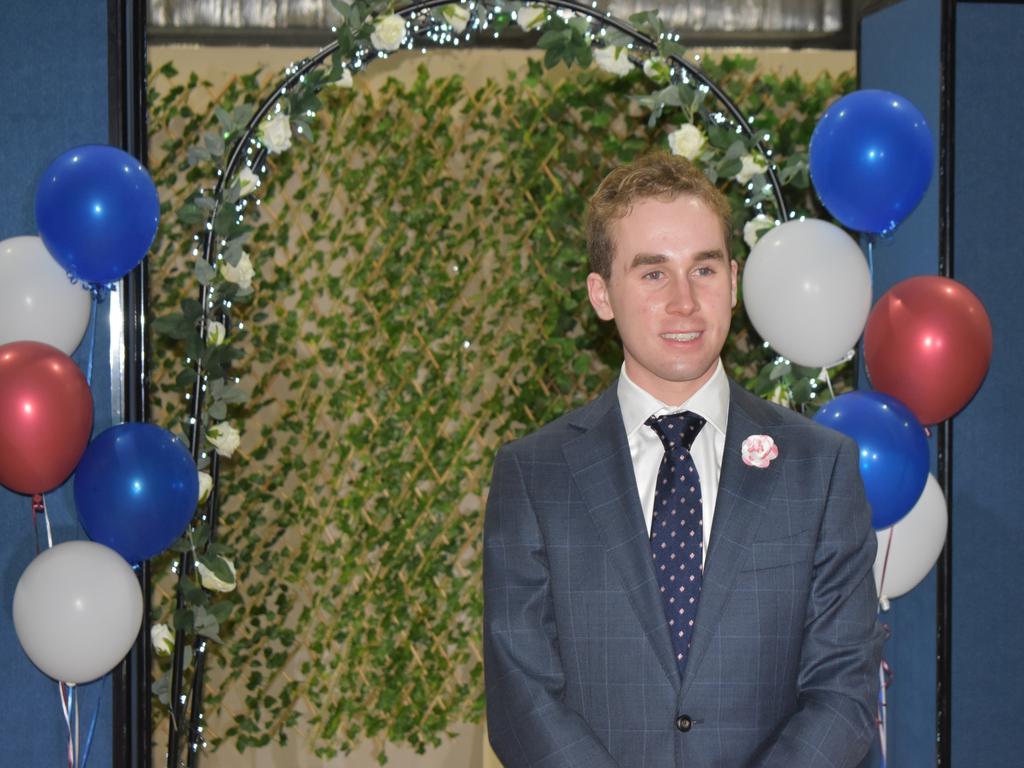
128, 129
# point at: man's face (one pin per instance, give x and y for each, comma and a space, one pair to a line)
671, 293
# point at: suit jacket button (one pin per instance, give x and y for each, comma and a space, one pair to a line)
684, 723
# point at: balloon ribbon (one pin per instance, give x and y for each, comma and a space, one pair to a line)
99, 293
883, 603
70, 709
39, 508
884, 681
92, 723
884, 670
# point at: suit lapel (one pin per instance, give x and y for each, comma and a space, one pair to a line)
601, 466
743, 493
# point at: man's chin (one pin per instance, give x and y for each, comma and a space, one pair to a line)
688, 371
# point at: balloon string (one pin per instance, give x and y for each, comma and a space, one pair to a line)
66, 703
884, 680
92, 724
92, 337
49, 530
39, 508
884, 670
883, 604
828, 381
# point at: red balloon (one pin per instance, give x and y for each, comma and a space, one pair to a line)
45, 416
928, 342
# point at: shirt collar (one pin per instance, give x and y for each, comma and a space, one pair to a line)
710, 401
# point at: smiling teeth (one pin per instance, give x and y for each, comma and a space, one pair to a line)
680, 336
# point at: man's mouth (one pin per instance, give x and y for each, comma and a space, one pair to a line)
681, 336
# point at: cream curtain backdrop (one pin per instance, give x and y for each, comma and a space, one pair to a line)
468, 746
764, 15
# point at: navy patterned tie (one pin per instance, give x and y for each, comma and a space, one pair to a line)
677, 528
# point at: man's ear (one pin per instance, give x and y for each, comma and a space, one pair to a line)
735, 268
597, 290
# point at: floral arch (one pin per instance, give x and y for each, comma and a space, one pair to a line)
405, 679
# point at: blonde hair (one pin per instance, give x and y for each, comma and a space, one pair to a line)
658, 176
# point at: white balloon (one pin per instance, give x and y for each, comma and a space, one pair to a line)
913, 544
77, 610
807, 290
38, 301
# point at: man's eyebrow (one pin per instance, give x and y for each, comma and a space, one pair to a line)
651, 259
713, 255
647, 259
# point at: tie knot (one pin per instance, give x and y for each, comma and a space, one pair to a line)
677, 429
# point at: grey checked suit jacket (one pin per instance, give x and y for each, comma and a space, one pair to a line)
578, 661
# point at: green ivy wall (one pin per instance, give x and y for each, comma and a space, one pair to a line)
419, 300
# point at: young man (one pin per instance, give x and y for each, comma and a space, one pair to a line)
678, 573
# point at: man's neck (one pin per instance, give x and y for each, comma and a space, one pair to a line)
671, 393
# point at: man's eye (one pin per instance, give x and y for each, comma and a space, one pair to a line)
654, 274
705, 271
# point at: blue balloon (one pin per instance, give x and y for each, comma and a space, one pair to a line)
871, 158
893, 450
136, 490
97, 211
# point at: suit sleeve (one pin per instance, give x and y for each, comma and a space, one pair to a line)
834, 723
528, 722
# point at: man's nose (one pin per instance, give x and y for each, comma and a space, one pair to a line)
682, 299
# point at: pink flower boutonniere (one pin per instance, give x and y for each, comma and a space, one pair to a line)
759, 451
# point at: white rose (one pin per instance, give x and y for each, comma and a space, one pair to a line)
530, 17
345, 81
656, 68
162, 638
388, 33
752, 165
457, 16
216, 333
210, 581
753, 229
276, 133
240, 274
205, 485
615, 60
780, 395
688, 141
248, 181
224, 438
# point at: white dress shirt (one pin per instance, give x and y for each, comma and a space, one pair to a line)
646, 449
